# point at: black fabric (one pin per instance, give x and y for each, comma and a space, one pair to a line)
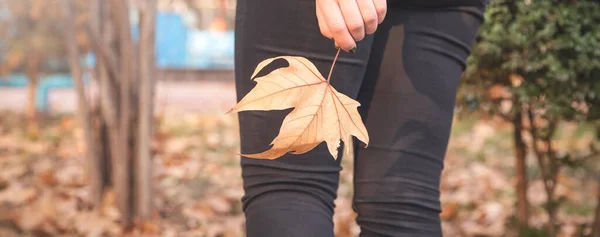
405, 76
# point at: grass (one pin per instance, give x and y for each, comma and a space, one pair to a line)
579, 208
463, 125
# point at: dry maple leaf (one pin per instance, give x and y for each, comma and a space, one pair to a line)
320, 112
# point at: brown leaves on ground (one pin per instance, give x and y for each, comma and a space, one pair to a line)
44, 191
321, 113
44, 187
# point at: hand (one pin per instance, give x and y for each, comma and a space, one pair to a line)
347, 21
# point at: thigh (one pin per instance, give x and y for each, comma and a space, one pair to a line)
269, 28
292, 195
409, 94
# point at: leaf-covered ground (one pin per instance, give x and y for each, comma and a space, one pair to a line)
198, 185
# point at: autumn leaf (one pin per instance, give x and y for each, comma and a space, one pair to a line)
321, 113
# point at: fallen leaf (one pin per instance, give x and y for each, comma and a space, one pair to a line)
176, 159
47, 177
108, 206
148, 227
321, 113
213, 140
3, 184
90, 224
17, 195
37, 214
13, 172
219, 205
449, 211
71, 175
344, 218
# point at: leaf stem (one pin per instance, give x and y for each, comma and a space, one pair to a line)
333, 64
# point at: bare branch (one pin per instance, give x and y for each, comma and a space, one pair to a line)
103, 52
552, 159
83, 113
534, 134
143, 176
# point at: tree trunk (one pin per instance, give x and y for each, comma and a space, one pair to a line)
122, 164
551, 220
143, 174
109, 102
83, 113
106, 97
551, 180
548, 166
32, 70
551, 209
125, 73
551, 206
596, 226
521, 169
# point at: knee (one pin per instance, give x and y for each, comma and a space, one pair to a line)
397, 207
288, 213
289, 183
288, 200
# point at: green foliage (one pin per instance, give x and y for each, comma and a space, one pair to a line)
534, 232
576, 208
552, 49
538, 60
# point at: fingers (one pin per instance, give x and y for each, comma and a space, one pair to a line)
348, 21
381, 9
322, 24
353, 18
369, 15
335, 22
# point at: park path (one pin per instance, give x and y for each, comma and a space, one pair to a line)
171, 96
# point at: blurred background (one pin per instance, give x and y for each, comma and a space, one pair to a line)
112, 122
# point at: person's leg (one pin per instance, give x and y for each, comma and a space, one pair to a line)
408, 99
292, 195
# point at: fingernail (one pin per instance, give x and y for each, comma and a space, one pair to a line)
336, 45
353, 50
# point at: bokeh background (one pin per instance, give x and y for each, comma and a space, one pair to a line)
112, 122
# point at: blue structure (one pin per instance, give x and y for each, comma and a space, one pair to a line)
207, 49
171, 41
44, 85
177, 47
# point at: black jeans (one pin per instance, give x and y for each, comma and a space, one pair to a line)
405, 76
